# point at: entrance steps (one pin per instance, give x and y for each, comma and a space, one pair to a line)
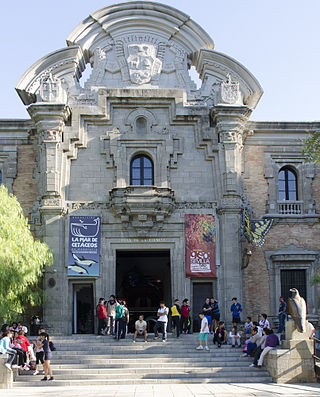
88, 360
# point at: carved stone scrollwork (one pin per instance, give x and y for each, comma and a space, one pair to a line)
142, 207
50, 136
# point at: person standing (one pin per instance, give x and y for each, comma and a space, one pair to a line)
102, 316
207, 310
215, 313
185, 313
175, 316
162, 321
282, 315
44, 344
125, 320
111, 310
235, 309
204, 332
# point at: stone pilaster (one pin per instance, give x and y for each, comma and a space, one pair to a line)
49, 119
230, 121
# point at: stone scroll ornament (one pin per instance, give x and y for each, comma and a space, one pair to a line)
254, 230
298, 310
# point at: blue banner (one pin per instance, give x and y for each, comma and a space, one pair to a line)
84, 246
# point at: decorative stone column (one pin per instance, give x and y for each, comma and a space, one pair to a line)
49, 119
230, 121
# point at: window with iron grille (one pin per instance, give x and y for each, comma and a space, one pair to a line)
141, 171
293, 278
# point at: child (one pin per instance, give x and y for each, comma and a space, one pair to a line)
264, 323
235, 309
204, 332
256, 324
248, 327
39, 352
175, 316
235, 337
44, 344
185, 313
220, 334
207, 310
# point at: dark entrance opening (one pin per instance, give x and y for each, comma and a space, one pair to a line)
293, 278
201, 291
143, 279
83, 309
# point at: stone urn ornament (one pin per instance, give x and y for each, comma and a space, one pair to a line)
298, 310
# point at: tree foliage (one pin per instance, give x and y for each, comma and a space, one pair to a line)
22, 259
311, 148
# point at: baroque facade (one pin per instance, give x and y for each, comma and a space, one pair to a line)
140, 146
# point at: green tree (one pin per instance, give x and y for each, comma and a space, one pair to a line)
22, 259
311, 148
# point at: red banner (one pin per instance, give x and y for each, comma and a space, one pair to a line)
200, 232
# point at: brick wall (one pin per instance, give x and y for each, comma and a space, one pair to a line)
307, 235
256, 186
24, 186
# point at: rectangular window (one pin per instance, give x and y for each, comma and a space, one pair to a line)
293, 278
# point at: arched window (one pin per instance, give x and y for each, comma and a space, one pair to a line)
141, 171
141, 125
287, 184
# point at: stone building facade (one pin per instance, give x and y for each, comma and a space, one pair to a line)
140, 146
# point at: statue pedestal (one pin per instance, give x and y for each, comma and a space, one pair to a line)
293, 363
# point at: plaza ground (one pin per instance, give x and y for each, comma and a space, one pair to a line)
170, 390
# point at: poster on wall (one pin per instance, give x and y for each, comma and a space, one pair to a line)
200, 235
84, 246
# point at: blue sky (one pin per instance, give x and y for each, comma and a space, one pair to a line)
277, 40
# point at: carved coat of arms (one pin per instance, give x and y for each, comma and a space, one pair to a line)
142, 63
230, 91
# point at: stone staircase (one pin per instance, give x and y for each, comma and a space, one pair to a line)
91, 360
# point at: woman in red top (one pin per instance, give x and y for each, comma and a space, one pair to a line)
24, 343
102, 315
185, 313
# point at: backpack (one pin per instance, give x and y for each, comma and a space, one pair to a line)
51, 345
119, 312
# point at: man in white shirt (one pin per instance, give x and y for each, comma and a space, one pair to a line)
162, 321
141, 329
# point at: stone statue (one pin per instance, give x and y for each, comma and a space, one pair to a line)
298, 310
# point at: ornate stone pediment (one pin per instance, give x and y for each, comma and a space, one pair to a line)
142, 207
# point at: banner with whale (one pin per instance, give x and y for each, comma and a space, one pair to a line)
84, 246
